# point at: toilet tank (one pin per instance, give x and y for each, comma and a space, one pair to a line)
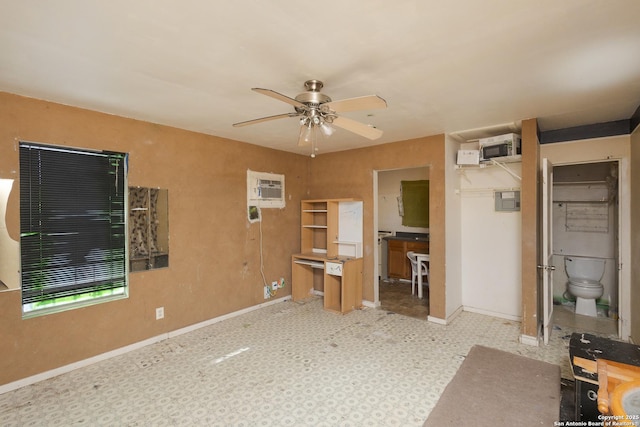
580, 268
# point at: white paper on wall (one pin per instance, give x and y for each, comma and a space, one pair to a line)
350, 229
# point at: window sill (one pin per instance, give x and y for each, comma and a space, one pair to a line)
72, 305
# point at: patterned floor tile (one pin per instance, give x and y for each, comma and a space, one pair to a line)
286, 364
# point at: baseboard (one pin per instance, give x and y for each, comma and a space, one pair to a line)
493, 313
436, 320
529, 340
135, 346
446, 321
224, 317
371, 304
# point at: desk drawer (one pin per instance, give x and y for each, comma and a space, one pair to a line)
333, 268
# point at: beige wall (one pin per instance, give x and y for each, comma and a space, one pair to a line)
586, 150
214, 250
635, 235
350, 174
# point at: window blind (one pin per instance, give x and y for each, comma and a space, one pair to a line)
72, 223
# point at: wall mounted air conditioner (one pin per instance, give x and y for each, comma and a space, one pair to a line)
265, 190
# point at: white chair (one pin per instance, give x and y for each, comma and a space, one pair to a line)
422, 268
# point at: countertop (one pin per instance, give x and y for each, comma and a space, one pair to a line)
409, 237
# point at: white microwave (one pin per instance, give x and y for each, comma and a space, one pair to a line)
502, 146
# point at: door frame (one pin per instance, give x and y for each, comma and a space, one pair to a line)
546, 268
623, 244
376, 272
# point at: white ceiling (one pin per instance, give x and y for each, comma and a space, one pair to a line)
442, 66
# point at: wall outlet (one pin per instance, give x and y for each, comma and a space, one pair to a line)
159, 313
267, 294
274, 286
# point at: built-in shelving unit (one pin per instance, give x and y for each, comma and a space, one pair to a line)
470, 139
314, 226
330, 255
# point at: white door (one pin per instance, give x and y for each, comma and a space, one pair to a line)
547, 249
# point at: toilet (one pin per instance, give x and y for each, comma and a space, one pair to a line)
584, 282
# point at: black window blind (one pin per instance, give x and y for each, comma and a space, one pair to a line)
72, 222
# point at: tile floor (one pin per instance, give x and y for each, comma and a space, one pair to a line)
288, 364
396, 296
565, 316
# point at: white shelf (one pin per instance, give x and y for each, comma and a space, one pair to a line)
504, 159
348, 248
485, 189
310, 263
492, 162
573, 183
496, 161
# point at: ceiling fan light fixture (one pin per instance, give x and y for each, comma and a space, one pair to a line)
326, 129
314, 141
306, 134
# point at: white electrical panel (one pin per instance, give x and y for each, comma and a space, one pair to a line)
507, 201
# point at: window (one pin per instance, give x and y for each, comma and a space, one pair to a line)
72, 227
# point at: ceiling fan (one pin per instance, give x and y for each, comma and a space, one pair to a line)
317, 111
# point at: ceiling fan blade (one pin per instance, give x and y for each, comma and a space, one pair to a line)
369, 102
280, 97
265, 119
357, 127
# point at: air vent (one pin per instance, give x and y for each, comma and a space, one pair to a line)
265, 190
269, 189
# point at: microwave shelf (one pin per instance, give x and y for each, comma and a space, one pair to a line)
501, 162
492, 162
504, 159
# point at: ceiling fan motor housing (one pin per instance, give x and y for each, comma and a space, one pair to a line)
313, 85
313, 99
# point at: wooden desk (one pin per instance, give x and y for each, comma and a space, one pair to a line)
342, 280
587, 347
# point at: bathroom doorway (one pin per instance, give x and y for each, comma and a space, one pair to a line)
586, 212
